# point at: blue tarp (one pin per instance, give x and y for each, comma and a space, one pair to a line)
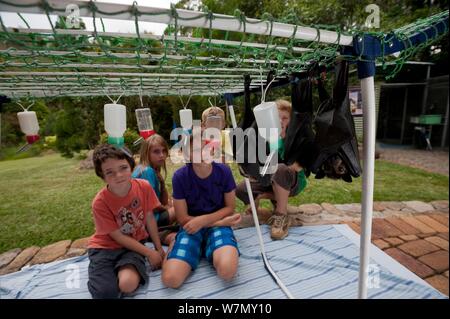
313, 262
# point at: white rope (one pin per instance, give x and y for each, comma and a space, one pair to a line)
114, 102
140, 97
23, 108
267, 87
210, 103
262, 88
181, 99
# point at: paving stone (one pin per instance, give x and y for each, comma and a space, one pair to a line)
379, 206
394, 205
297, 221
381, 244
353, 208
325, 218
441, 218
394, 241
246, 221
395, 213
74, 252
51, 252
439, 282
438, 227
403, 226
377, 214
80, 243
293, 209
409, 262
418, 248
24, 257
437, 260
332, 209
9, 256
443, 235
310, 214
408, 237
440, 204
383, 229
418, 206
423, 228
310, 209
438, 241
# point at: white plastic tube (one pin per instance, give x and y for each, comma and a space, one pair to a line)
256, 222
368, 100
187, 18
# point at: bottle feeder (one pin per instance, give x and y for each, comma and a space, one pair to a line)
144, 122
115, 117
29, 125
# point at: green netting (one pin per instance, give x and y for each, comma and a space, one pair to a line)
59, 61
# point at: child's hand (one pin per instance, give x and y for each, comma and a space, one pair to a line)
162, 253
229, 221
155, 259
194, 225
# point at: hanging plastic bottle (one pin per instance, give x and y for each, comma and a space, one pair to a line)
268, 121
186, 124
269, 127
186, 120
29, 125
144, 122
115, 117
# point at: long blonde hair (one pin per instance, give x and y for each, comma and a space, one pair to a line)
146, 148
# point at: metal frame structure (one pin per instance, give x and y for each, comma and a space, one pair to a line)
366, 48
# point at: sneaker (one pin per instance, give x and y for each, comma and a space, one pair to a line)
279, 226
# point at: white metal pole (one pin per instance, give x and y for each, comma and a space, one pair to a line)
49, 65
186, 18
122, 74
157, 37
368, 99
154, 57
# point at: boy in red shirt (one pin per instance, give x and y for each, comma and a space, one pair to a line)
122, 210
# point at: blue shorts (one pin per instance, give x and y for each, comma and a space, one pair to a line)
191, 247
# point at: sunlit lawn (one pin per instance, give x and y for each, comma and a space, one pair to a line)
47, 199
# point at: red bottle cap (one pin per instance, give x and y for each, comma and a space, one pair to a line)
32, 138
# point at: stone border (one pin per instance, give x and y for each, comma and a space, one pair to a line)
303, 215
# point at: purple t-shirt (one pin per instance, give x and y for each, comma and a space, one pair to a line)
203, 195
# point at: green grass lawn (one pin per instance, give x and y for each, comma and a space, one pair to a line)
47, 199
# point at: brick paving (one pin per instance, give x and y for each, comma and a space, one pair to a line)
416, 239
425, 254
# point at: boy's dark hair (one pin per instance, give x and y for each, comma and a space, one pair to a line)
104, 151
